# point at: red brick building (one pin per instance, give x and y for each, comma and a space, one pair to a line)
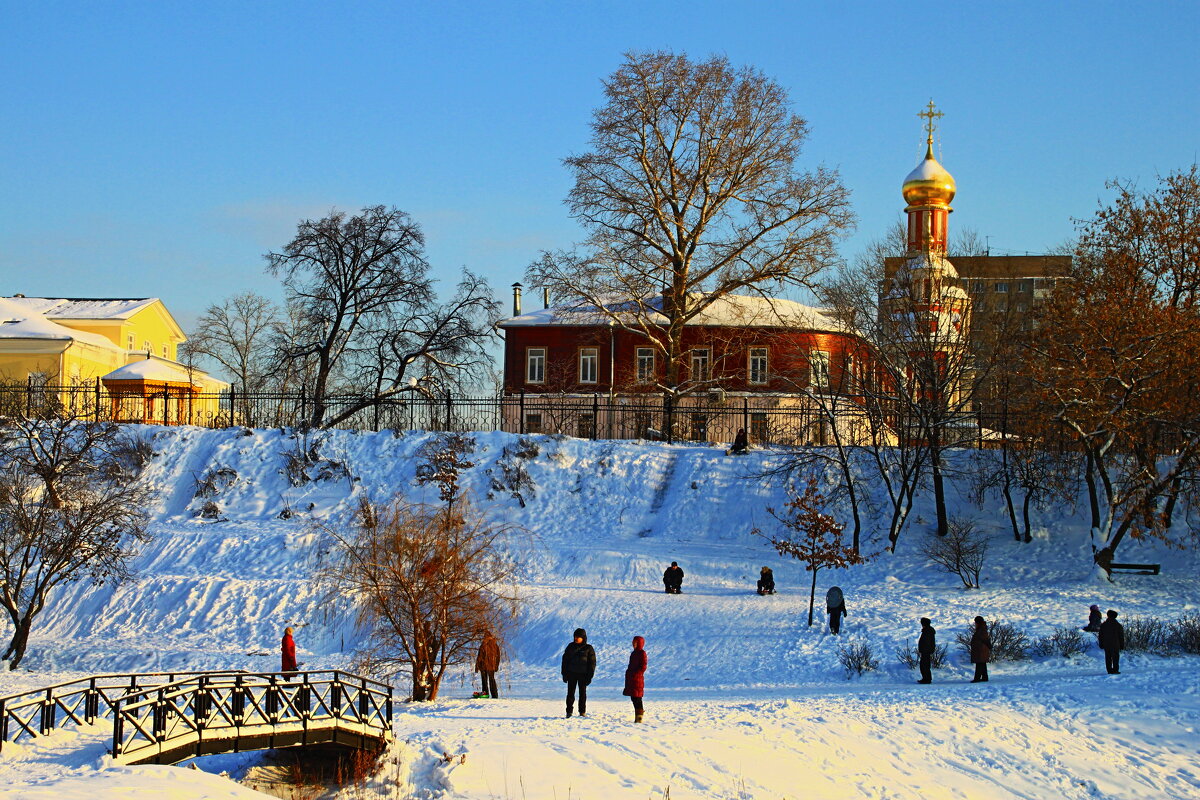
743, 356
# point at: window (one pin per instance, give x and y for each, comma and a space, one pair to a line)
165, 352
818, 364
1023, 286
533, 423
146, 346
645, 365
701, 366
758, 365
535, 365
129, 342
1002, 287
588, 359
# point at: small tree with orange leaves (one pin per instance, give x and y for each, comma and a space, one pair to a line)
812, 536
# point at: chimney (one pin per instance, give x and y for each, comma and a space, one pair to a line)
545, 297
516, 299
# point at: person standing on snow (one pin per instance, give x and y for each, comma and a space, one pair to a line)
578, 667
635, 677
1093, 625
835, 607
487, 662
981, 650
673, 578
288, 652
926, 646
1112, 642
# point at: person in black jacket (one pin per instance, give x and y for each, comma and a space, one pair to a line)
835, 607
1093, 625
926, 645
578, 667
1112, 642
673, 578
766, 581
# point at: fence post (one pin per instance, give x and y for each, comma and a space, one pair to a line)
449, 412
522, 412
46, 721
166, 404
97, 398
668, 415
233, 420
118, 727
746, 416
28, 395
91, 702
595, 416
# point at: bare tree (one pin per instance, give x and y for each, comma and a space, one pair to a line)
961, 551
364, 309
691, 192
66, 514
236, 334
426, 584
1119, 366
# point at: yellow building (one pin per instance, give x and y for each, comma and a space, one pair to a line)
77, 349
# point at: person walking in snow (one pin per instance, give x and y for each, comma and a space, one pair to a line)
288, 652
673, 578
1093, 625
926, 646
1112, 642
578, 667
766, 581
487, 662
981, 650
635, 677
835, 607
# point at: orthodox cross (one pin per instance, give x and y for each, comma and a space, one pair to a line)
930, 114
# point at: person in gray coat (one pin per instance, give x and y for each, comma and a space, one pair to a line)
835, 607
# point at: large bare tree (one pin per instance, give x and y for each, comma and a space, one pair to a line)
68, 512
236, 334
691, 191
364, 310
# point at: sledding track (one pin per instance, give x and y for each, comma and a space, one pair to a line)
164, 718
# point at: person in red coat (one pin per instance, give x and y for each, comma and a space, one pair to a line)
289, 652
635, 677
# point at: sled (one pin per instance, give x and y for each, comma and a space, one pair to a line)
480, 696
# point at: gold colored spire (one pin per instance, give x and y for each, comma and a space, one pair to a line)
929, 183
930, 114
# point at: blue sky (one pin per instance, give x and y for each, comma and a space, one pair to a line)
161, 148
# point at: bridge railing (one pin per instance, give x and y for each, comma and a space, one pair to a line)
217, 713
37, 712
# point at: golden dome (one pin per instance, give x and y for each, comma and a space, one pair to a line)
929, 184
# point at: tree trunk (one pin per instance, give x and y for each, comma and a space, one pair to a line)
18, 643
1012, 511
939, 497
1025, 514
812, 598
1093, 491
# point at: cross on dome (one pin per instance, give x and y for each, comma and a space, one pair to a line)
930, 114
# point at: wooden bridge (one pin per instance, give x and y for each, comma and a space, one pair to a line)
162, 718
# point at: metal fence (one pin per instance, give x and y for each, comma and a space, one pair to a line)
708, 417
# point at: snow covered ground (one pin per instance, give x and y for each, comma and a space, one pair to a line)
743, 699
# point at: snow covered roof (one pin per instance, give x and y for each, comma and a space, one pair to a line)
155, 370
100, 308
19, 321
725, 311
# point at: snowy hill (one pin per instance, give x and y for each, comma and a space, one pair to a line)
738, 688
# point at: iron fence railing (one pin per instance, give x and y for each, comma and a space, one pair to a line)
788, 420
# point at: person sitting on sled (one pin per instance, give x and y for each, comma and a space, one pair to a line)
766, 581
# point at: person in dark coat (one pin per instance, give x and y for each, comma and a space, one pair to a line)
288, 652
981, 650
1093, 625
835, 607
673, 578
926, 646
1112, 642
487, 662
741, 443
635, 677
766, 581
578, 667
